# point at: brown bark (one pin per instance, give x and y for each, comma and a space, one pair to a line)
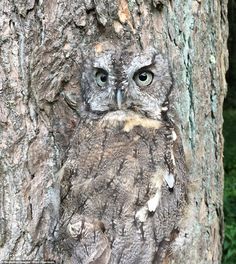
41, 60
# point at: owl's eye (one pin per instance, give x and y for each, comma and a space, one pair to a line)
143, 78
101, 77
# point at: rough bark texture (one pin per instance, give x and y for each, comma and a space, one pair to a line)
41, 58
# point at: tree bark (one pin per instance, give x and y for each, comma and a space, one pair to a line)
41, 59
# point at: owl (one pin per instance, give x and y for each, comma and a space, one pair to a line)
125, 167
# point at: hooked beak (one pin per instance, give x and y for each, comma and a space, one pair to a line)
119, 98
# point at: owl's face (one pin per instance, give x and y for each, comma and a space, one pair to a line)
115, 80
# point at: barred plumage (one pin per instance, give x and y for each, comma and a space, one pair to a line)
129, 173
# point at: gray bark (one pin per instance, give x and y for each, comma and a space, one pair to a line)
41, 60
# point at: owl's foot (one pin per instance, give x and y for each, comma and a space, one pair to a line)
80, 227
92, 244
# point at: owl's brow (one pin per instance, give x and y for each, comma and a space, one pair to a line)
102, 62
101, 66
139, 65
145, 66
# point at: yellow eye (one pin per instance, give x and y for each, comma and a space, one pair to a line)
143, 78
101, 78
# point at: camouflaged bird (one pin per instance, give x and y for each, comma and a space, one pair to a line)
125, 169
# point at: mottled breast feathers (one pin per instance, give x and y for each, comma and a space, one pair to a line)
125, 170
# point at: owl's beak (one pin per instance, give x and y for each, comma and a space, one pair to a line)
119, 98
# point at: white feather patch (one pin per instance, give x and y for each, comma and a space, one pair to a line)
170, 179
142, 214
174, 136
154, 202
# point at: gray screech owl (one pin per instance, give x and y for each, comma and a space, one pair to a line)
123, 184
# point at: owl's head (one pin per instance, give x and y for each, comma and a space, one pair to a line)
121, 80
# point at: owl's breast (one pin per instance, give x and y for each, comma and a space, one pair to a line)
118, 179
117, 163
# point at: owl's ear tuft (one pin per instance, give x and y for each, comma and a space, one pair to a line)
161, 59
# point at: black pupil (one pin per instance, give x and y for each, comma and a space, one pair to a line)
143, 76
103, 78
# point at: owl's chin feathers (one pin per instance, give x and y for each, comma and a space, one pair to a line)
127, 120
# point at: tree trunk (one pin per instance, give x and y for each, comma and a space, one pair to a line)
52, 156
